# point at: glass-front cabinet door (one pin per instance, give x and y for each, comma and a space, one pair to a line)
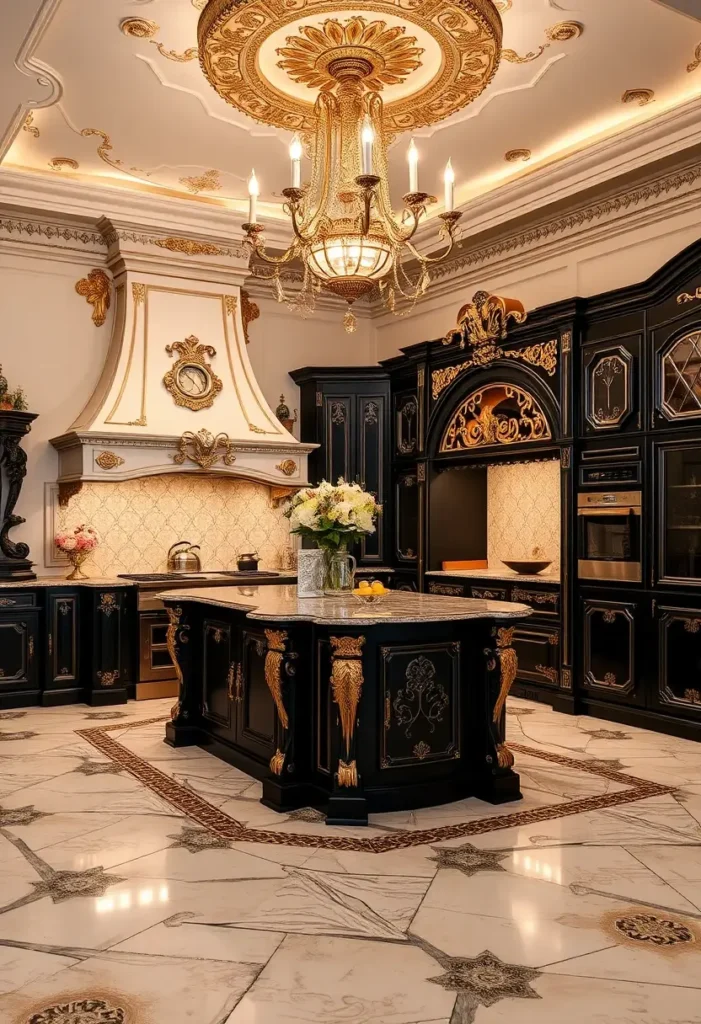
679, 502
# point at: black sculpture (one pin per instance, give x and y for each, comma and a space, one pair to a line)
14, 556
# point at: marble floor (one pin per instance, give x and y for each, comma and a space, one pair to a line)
144, 885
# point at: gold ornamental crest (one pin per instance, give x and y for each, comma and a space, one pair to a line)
430, 59
191, 381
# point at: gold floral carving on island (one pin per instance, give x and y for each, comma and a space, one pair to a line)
640, 96
29, 125
250, 311
95, 289
347, 774
231, 34
498, 414
514, 155
108, 460
206, 182
347, 682
391, 54
63, 163
189, 247
204, 449
191, 381
277, 762
273, 672
696, 62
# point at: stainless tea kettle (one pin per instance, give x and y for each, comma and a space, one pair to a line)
184, 560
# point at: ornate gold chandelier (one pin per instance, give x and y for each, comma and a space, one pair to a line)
346, 235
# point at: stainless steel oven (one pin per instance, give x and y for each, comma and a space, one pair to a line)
609, 538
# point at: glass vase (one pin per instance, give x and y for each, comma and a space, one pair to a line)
339, 570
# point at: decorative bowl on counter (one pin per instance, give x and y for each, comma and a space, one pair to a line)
370, 592
526, 567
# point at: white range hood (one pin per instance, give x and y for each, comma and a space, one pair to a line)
177, 392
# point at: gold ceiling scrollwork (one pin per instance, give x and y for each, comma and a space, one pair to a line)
29, 125
208, 181
142, 28
640, 96
696, 62
514, 155
497, 414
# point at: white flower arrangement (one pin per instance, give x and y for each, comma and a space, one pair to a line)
333, 516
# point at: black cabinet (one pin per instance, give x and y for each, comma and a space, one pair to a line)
62, 648
220, 673
107, 648
347, 413
256, 718
677, 484
611, 637
19, 654
677, 687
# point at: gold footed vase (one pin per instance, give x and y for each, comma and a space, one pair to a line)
77, 558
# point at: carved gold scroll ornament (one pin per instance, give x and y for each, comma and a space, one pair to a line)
273, 677
509, 667
95, 288
347, 687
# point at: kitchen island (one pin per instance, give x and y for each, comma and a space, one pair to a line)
334, 703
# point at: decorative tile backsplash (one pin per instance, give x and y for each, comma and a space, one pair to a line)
138, 520
523, 512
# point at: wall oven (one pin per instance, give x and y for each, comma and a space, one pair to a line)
609, 537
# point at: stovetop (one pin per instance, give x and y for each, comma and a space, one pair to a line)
182, 577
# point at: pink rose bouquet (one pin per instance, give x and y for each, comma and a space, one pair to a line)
77, 545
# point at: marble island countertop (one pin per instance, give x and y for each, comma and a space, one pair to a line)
61, 581
499, 574
281, 603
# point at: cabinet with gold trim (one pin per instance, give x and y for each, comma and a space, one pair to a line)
611, 656
221, 646
19, 654
62, 684
677, 631
538, 651
256, 715
108, 648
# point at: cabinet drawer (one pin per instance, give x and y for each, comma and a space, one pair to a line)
446, 589
489, 593
538, 652
543, 602
10, 599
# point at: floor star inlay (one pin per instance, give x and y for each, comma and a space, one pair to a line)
197, 839
469, 859
20, 815
7, 736
91, 767
487, 978
82, 1011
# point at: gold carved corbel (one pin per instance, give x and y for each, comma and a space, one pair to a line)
174, 633
250, 311
95, 288
508, 661
347, 687
273, 671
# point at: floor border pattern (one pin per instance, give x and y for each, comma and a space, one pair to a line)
226, 827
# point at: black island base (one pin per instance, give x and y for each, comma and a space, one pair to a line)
343, 706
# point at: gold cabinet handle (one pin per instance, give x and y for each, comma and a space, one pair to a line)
230, 680
30, 648
234, 682
239, 684
51, 643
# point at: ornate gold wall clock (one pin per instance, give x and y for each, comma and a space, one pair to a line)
192, 382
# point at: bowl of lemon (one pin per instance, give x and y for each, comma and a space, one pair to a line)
370, 591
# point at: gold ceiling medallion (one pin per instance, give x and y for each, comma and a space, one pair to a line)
640, 96
140, 28
696, 62
95, 288
189, 247
206, 182
205, 449
393, 55
63, 163
29, 125
564, 31
515, 155
108, 460
250, 311
498, 414
192, 382
232, 34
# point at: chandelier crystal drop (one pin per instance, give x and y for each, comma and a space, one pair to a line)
346, 235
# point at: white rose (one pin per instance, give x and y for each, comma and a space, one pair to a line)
70, 544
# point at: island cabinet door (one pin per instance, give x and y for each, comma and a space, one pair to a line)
221, 673
18, 656
676, 683
538, 652
611, 662
420, 690
256, 715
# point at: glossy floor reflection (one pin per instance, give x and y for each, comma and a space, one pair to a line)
116, 907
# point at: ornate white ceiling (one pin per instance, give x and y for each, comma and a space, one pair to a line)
136, 111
